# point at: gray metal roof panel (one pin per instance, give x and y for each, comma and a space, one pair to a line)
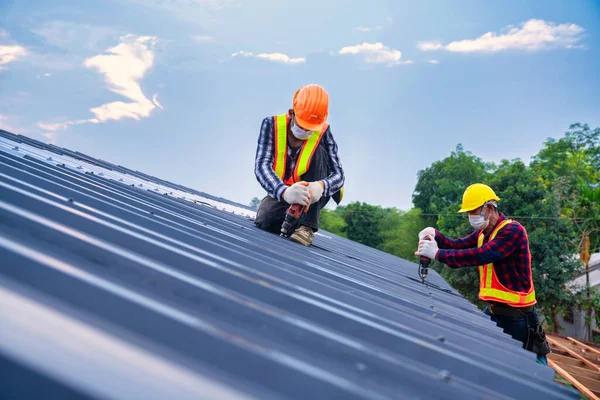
204, 289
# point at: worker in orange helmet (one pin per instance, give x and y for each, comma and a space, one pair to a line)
297, 162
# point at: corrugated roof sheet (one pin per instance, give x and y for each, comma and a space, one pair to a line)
118, 285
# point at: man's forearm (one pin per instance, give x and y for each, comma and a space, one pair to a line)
455, 244
269, 181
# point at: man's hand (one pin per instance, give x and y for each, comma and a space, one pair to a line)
427, 231
428, 248
316, 191
298, 193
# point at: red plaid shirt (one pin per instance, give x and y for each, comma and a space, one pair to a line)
509, 251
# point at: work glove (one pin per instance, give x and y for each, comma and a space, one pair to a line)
316, 191
298, 193
427, 231
427, 248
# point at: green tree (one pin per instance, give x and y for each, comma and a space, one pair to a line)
362, 223
332, 222
399, 231
570, 169
566, 163
586, 214
254, 203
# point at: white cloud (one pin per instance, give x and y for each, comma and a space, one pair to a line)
64, 125
430, 46
203, 39
51, 137
123, 66
46, 75
533, 35
375, 53
155, 101
10, 53
368, 29
274, 57
433, 61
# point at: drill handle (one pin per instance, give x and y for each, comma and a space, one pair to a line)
423, 259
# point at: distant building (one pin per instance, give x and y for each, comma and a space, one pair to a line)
573, 323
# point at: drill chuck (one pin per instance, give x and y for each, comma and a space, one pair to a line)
424, 265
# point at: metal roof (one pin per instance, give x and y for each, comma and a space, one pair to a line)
119, 285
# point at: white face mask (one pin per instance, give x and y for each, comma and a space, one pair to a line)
299, 133
478, 221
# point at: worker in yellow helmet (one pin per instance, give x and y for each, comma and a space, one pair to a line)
500, 248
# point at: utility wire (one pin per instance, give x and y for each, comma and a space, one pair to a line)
578, 219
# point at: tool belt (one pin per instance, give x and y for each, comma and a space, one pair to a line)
508, 311
536, 337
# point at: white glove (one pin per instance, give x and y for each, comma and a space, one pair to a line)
298, 193
316, 191
427, 231
428, 248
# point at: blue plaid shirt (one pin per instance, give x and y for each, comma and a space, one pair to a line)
263, 165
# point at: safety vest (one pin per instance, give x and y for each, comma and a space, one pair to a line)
490, 288
308, 149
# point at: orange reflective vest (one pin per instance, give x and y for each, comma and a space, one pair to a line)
490, 288
308, 149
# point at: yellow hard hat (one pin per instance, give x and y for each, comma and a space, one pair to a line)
475, 196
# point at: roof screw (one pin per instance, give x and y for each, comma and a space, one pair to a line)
445, 375
434, 315
431, 306
441, 338
151, 212
70, 200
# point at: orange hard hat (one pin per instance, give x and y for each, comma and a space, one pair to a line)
311, 107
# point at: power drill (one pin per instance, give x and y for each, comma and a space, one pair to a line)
292, 216
424, 265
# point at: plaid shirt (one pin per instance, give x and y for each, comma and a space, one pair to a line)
265, 153
509, 251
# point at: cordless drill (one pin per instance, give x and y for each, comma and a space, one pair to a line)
424, 265
292, 216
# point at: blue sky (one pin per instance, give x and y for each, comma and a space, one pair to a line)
178, 88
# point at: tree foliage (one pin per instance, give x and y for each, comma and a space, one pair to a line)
254, 203
362, 223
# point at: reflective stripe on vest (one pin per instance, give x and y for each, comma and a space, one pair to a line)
490, 288
308, 149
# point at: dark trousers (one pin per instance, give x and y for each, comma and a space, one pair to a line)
516, 327
271, 212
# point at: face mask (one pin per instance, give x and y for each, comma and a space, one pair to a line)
299, 133
479, 221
